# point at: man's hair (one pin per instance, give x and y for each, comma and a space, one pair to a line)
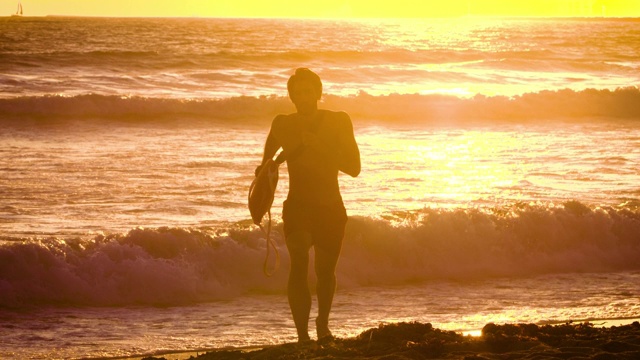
305, 75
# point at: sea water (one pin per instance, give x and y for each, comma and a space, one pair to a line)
499, 184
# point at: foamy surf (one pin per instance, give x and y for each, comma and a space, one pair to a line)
174, 266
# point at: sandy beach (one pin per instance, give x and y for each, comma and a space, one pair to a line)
422, 341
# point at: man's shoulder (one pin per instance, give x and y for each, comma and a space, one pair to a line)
340, 115
282, 117
282, 120
337, 119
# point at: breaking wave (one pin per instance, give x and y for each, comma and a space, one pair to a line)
171, 266
432, 108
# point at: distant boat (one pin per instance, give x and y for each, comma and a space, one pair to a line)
19, 11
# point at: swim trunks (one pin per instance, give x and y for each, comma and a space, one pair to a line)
325, 223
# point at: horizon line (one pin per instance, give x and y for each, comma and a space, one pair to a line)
329, 18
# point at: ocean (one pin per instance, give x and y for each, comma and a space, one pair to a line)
500, 177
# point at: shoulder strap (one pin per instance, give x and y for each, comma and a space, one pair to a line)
283, 156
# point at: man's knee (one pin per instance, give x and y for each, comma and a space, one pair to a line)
325, 267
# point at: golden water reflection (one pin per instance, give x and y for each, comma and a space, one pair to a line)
454, 168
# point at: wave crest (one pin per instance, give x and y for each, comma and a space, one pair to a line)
521, 240
433, 108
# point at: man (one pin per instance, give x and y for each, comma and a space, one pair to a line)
318, 144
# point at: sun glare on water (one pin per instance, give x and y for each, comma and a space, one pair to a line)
450, 168
483, 166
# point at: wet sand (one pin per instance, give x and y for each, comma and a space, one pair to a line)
423, 341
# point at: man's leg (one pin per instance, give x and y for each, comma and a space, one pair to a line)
325, 267
298, 245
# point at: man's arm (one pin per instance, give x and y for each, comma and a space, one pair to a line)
349, 160
272, 144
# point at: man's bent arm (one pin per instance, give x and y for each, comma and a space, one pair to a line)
272, 144
349, 160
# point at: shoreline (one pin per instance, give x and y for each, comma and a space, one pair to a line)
594, 338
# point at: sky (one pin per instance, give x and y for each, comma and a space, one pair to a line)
325, 8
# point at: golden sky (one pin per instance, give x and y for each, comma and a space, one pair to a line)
326, 8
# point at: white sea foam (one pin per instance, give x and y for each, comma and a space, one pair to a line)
172, 266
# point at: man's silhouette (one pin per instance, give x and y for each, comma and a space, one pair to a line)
318, 144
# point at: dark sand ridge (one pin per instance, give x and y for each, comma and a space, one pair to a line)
422, 341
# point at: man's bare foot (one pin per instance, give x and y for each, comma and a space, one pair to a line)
306, 345
323, 332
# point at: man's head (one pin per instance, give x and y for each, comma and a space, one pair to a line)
305, 89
